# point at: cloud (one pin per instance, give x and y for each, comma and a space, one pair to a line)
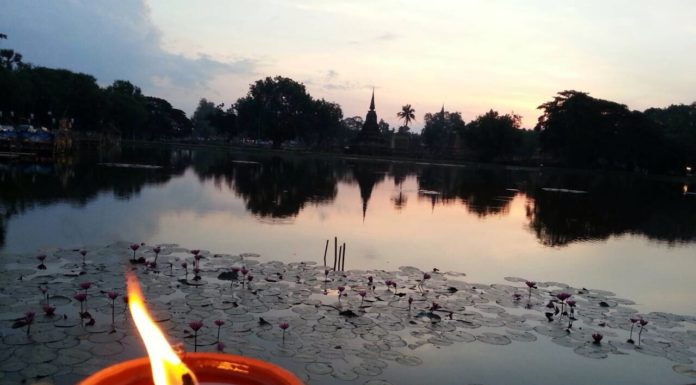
331, 81
387, 36
111, 40
384, 37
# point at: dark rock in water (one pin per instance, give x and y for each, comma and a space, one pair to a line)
263, 322
603, 304
549, 316
452, 289
348, 313
228, 276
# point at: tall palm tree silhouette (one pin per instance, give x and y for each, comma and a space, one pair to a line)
407, 114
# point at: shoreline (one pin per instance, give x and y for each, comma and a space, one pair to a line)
419, 161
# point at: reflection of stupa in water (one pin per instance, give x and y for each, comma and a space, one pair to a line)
367, 176
369, 139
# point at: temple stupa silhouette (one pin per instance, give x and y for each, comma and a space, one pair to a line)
370, 139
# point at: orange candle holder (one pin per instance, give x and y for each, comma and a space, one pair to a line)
209, 368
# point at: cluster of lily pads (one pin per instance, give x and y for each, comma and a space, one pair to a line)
61, 320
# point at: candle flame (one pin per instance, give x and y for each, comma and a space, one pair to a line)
167, 367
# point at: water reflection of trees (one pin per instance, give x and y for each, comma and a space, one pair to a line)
272, 186
278, 188
484, 191
613, 205
24, 186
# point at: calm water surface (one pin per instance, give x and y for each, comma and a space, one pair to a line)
631, 235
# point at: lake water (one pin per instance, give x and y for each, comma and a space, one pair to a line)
634, 236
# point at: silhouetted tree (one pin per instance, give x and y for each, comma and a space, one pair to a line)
678, 124
384, 128
407, 114
581, 131
127, 108
493, 136
280, 109
440, 130
203, 118
163, 121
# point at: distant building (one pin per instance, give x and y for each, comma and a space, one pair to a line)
370, 140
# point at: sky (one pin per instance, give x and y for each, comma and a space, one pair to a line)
470, 56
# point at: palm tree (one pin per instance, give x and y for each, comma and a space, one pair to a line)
407, 114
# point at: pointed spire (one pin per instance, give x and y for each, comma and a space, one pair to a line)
443, 109
372, 102
364, 209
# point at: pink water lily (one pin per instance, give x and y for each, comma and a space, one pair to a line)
81, 297
362, 294
49, 310
134, 247
219, 323
642, 323
195, 326
284, 326
85, 285
597, 338
157, 250
28, 320
563, 296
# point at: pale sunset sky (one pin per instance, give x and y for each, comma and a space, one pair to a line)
471, 56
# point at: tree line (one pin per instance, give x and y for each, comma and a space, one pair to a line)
573, 129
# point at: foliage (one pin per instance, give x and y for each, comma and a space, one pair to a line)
280, 109
493, 136
678, 125
41, 96
384, 128
407, 114
440, 130
581, 131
